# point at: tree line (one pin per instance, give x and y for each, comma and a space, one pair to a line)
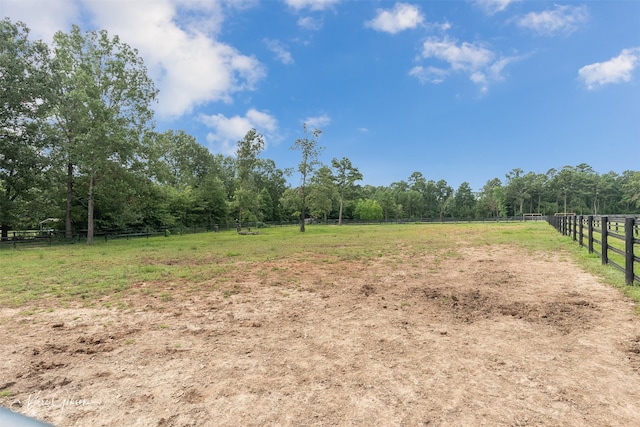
78, 144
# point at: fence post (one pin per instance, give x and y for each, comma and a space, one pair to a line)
581, 230
575, 228
590, 233
604, 223
629, 257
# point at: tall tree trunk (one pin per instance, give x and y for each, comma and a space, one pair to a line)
341, 205
302, 213
90, 225
68, 232
4, 228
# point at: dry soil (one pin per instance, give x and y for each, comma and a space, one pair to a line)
503, 337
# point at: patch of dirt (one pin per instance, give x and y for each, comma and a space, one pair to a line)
499, 338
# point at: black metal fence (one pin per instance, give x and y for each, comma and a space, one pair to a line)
614, 238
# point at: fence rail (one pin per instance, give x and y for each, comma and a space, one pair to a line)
35, 238
613, 238
29, 237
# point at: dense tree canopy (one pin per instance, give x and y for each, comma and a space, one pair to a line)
78, 145
346, 176
25, 93
103, 109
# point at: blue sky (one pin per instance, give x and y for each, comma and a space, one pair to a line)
456, 90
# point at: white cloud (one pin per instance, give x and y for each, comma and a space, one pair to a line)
280, 51
195, 16
445, 26
309, 23
311, 4
317, 122
615, 70
402, 17
492, 7
562, 19
176, 39
466, 56
429, 75
44, 19
189, 66
227, 131
472, 59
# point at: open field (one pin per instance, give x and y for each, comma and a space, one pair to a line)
483, 324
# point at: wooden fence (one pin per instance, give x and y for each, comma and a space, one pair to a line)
31, 237
45, 238
614, 238
49, 237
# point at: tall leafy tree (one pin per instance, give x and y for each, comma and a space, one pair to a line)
175, 158
211, 196
310, 150
609, 193
630, 184
417, 182
492, 199
246, 192
587, 188
25, 99
562, 185
431, 199
399, 187
322, 192
444, 196
267, 206
412, 203
345, 177
291, 203
272, 183
517, 190
464, 201
536, 183
184, 171
427, 206
103, 108
368, 210
385, 199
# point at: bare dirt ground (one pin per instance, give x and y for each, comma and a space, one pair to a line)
499, 338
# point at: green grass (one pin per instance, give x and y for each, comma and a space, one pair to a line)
81, 273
